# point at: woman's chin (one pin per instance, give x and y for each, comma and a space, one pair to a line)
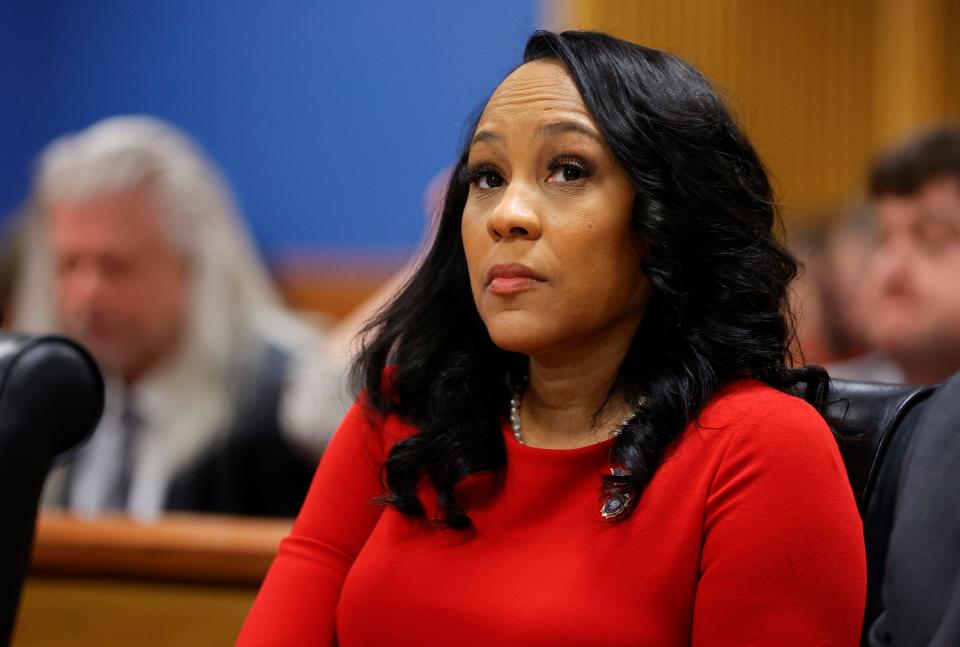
517, 340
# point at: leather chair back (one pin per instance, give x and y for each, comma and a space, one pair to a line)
866, 417
51, 397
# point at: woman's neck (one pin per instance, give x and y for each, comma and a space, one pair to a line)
566, 390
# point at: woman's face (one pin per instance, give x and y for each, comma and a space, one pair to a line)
554, 261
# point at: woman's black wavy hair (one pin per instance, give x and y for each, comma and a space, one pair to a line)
718, 309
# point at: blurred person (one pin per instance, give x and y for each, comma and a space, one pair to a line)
315, 388
910, 306
846, 249
313, 394
826, 294
134, 247
811, 332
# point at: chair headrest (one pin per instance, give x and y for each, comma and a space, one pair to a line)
865, 416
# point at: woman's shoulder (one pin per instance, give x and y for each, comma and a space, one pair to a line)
765, 443
377, 421
760, 420
384, 428
748, 400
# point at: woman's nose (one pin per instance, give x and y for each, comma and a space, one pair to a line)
517, 214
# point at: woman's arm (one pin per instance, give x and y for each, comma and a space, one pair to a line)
783, 561
298, 598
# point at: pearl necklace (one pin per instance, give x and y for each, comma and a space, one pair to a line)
618, 499
517, 427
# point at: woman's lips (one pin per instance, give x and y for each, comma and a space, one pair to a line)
509, 285
511, 278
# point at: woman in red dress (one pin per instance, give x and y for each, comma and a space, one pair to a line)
575, 426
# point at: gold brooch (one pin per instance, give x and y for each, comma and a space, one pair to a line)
615, 505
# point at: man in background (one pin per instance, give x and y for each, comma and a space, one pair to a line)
133, 246
911, 286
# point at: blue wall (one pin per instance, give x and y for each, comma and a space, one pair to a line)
328, 117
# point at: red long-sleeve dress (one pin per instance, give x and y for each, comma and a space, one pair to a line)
747, 535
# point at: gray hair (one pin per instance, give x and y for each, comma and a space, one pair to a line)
232, 292
122, 153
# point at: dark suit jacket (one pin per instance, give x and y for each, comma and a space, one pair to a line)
254, 471
251, 470
921, 586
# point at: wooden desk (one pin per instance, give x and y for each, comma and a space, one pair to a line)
184, 580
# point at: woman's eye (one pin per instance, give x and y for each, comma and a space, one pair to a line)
567, 173
488, 180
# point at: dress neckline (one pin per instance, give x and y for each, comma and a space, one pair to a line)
515, 447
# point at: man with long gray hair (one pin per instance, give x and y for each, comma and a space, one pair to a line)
134, 247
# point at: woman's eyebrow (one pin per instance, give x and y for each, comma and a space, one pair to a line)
486, 136
552, 128
567, 126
